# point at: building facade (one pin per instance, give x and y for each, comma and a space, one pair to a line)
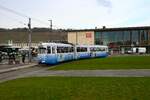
81, 37
119, 40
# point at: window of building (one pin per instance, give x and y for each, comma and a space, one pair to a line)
143, 37
98, 38
127, 39
149, 37
135, 38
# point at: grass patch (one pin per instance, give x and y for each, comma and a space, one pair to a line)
124, 62
76, 88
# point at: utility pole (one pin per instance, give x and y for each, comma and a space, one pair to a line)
30, 31
51, 25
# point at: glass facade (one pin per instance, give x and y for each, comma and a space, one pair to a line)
144, 37
127, 39
106, 38
135, 38
149, 37
123, 38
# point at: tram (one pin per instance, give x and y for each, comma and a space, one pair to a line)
54, 53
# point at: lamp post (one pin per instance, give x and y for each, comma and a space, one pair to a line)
51, 25
30, 37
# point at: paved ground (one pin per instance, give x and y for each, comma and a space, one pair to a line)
7, 66
21, 73
97, 73
38, 71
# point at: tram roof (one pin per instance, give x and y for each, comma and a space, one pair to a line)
91, 46
56, 44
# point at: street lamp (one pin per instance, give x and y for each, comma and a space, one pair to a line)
29, 25
50, 25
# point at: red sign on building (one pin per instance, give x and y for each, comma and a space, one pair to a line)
88, 35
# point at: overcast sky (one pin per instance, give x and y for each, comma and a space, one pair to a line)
76, 14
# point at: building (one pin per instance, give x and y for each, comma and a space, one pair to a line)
119, 40
81, 37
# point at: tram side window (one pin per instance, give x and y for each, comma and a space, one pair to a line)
53, 50
106, 49
81, 49
102, 49
93, 49
64, 49
71, 49
42, 50
97, 49
60, 50
49, 50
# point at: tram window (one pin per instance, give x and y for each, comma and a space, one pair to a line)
70, 49
93, 49
42, 50
96, 49
53, 50
81, 49
102, 49
64, 49
49, 50
60, 50
78, 49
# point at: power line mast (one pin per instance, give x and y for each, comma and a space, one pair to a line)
30, 39
51, 25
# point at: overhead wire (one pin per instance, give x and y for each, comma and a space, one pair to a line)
14, 12
25, 16
20, 14
13, 19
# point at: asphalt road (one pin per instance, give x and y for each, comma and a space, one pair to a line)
38, 71
21, 73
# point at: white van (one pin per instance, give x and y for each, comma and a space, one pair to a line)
140, 50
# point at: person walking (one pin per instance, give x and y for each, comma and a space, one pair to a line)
0, 56
23, 56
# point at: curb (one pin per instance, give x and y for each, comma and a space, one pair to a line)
17, 68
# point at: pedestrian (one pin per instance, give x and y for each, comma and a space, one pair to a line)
34, 54
13, 57
10, 55
0, 56
23, 56
17, 60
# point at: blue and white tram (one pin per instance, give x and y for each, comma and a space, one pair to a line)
98, 51
53, 53
91, 51
82, 52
